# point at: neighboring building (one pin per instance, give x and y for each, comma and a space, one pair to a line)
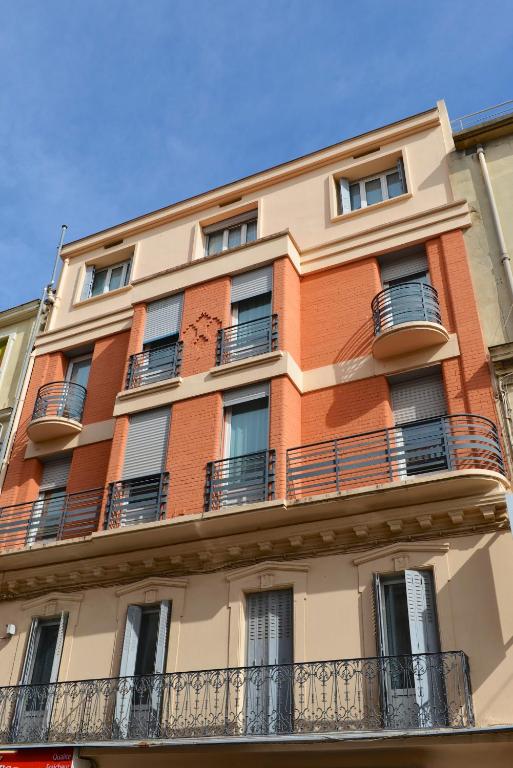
16, 326
259, 442
482, 173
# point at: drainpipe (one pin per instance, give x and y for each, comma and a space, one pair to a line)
506, 262
46, 302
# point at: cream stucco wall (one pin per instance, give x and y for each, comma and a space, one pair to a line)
15, 326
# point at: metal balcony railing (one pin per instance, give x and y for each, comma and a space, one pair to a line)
63, 516
390, 692
63, 399
138, 500
445, 443
482, 116
240, 480
405, 303
256, 337
156, 364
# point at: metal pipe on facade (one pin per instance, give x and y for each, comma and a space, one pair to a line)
45, 303
506, 262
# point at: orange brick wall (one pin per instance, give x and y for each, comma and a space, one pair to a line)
89, 467
336, 317
206, 308
287, 305
285, 426
106, 377
195, 439
346, 409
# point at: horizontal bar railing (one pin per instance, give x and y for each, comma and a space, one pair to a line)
63, 399
137, 500
446, 443
482, 116
156, 364
405, 303
240, 480
61, 516
420, 691
255, 337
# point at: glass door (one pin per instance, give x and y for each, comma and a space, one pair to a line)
247, 437
253, 333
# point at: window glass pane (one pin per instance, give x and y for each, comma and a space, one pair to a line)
115, 278
394, 185
234, 237
215, 243
147, 646
354, 194
251, 231
249, 427
373, 191
396, 619
254, 308
45, 651
99, 282
79, 371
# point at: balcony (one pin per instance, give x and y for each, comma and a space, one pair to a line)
461, 443
63, 516
138, 500
406, 319
58, 411
422, 691
154, 365
239, 342
240, 480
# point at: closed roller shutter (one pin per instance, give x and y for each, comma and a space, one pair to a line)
55, 473
163, 317
252, 284
245, 394
397, 267
419, 398
146, 443
270, 627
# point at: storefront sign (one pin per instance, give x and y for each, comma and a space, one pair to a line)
36, 758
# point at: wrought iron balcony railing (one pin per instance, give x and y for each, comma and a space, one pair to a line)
390, 692
138, 500
156, 364
62, 516
445, 443
62, 399
240, 480
405, 303
255, 337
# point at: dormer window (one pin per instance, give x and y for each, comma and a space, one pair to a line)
230, 233
370, 190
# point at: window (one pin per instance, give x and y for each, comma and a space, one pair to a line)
47, 511
99, 281
231, 233
78, 370
246, 420
372, 189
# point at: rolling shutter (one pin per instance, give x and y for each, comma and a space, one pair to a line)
245, 394
270, 627
146, 443
345, 198
163, 317
416, 399
251, 284
55, 473
398, 267
88, 283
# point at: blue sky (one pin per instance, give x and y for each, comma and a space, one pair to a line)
112, 108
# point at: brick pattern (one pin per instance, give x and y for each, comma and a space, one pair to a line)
336, 317
106, 377
287, 305
206, 308
285, 426
89, 466
195, 439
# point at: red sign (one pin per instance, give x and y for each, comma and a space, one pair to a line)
36, 758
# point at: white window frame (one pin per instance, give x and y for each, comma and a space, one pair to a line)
226, 226
73, 360
124, 277
227, 423
384, 188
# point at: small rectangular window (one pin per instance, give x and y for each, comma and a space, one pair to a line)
99, 281
370, 190
231, 233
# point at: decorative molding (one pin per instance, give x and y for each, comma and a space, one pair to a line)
402, 549
261, 568
152, 583
53, 598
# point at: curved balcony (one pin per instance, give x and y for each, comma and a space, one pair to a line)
462, 449
58, 411
406, 319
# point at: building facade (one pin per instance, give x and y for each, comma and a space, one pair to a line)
256, 504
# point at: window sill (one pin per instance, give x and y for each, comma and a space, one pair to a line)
248, 362
369, 208
158, 386
93, 299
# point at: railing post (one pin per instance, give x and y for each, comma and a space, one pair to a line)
161, 497
178, 357
63, 516
389, 455
468, 689
110, 499
274, 333
337, 478
423, 301
446, 428
220, 346
208, 485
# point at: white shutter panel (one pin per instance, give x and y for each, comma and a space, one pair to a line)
55, 473
245, 394
127, 669
88, 283
29, 653
397, 267
345, 197
63, 623
400, 171
163, 629
417, 399
251, 284
163, 317
378, 616
421, 612
146, 444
